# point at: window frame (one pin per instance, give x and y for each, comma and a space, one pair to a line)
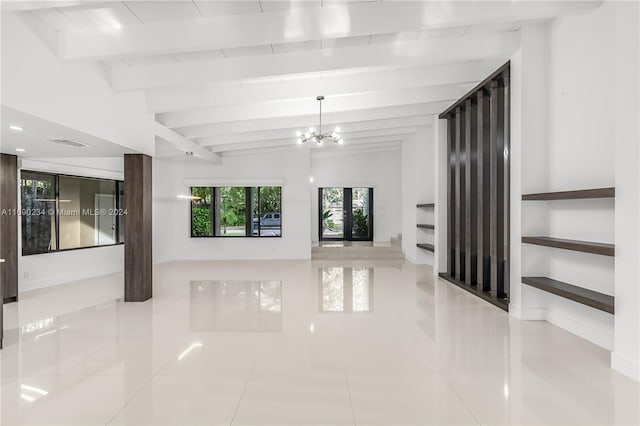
56, 217
247, 213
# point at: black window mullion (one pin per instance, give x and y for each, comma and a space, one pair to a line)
212, 210
56, 214
117, 212
259, 212
247, 212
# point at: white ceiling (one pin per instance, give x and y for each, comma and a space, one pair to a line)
37, 135
243, 75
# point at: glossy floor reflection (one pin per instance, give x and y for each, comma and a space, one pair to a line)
296, 342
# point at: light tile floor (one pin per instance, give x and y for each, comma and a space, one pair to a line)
296, 342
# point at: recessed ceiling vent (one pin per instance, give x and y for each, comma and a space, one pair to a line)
69, 142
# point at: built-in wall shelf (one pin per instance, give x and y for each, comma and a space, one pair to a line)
425, 226
572, 195
585, 296
574, 245
428, 247
426, 205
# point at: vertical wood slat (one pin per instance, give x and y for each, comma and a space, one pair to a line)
9, 227
493, 187
458, 198
138, 264
484, 147
506, 183
498, 208
450, 199
480, 176
463, 199
471, 166
500, 241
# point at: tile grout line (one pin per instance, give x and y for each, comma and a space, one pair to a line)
353, 414
459, 397
244, 390
139, 391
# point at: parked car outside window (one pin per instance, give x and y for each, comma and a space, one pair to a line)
270, 224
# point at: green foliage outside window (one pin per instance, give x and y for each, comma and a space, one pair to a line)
360, 223
223, 211
201, 222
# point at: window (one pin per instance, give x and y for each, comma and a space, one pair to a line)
38, 203
236, 211
67, 212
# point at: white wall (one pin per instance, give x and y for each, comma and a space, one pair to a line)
441, 166
563, 115
626, 354
44, 270
171, 220
575, 125
418, 186
379, 170
76, 95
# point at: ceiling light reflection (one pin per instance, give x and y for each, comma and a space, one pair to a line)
189, 349
44, 334
27, 397
34, 389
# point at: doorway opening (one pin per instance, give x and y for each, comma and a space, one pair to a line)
345, 214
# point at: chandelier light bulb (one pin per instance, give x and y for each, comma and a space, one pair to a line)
338, 130
340, 142
307, 135
299, 141
334, 135
298, 133
312, 130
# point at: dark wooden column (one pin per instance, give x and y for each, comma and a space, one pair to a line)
138, 261
9, 227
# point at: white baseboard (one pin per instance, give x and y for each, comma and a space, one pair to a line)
572, 325
526, 314
628, 367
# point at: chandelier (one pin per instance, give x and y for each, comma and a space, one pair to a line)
319, 137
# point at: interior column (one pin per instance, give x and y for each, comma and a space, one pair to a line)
9, 227
138, 260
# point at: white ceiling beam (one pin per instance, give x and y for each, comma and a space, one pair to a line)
298, 24
176, 99
229, 31
293, 145
408, 54
333, 119
324, 150
289, 136
295, 107
185, 145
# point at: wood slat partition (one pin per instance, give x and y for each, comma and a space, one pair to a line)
478, 189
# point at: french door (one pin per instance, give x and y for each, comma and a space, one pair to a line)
345, 214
